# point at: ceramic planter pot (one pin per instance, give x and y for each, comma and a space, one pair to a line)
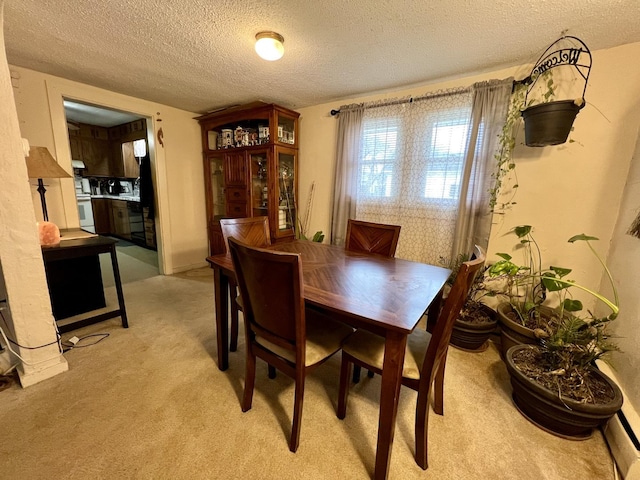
549, 123
512, 332
563, 416
474, 336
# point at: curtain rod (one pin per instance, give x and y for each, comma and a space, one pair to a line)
524, 81
446, 93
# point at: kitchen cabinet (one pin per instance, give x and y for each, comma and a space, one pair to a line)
125, 164
90, 144
130, 165
102, 215
125, 219
120, 219
251, 165
74, 146
107, 152
150, 229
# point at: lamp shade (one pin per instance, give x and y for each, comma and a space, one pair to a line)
40, 164
269, 45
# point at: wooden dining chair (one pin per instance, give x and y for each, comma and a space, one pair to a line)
368, 237
278, 327
425, 355
252, 231
371, 237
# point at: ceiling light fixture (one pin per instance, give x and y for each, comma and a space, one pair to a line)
269, 45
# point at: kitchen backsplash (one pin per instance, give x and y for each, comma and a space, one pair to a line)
111, 186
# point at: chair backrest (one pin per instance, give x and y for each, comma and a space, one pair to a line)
252, 231
272, 292
456, 299
371, 237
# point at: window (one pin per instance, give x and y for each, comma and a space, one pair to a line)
379, 154
410, 169
439, 150
445, 159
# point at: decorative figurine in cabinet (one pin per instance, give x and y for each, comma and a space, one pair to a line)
251, 168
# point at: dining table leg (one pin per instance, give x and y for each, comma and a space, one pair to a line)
394, 349
221, 294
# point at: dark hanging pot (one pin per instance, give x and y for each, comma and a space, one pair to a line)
549, 123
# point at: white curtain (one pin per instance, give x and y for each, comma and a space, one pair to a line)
421, 163
409, 170
348, 149
488, 114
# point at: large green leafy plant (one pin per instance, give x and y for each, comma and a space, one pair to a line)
579, 338
522, 283
571, 339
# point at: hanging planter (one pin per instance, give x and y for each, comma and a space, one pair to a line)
550, 122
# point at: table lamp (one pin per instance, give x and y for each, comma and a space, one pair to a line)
40, 164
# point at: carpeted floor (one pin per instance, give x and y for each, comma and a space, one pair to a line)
149, 402
134, 262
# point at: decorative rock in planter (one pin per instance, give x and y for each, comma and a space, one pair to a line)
556, 414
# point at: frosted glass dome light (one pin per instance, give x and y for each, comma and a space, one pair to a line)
269, 45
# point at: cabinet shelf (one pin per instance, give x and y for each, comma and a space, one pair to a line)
246, 151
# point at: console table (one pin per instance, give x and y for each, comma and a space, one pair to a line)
75, 280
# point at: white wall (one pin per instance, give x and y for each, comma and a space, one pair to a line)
564, 190
624, 261
29, 320
177, 166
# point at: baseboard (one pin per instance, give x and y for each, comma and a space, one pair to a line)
623, 435
31, 375
186, 268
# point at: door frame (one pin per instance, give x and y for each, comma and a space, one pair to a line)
57, 92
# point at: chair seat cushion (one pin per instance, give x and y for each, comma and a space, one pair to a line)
369, 348
324, 338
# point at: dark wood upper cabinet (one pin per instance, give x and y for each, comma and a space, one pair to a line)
107, 152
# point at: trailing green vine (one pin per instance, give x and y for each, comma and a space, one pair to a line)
505, 166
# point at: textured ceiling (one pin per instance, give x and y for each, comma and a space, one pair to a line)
198, 55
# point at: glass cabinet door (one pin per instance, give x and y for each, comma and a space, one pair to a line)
216, 169
286, 129
285, 189
258, 162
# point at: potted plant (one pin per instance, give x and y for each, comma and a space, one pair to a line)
476, 321
547, 120
523, 313
555, 382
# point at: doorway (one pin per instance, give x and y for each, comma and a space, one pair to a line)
114, 185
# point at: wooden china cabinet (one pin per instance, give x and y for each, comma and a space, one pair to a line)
251, 168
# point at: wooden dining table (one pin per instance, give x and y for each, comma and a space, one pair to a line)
387, 296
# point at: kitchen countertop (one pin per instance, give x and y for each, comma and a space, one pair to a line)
129, 198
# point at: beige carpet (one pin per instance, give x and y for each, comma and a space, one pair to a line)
134, 262
150, 403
